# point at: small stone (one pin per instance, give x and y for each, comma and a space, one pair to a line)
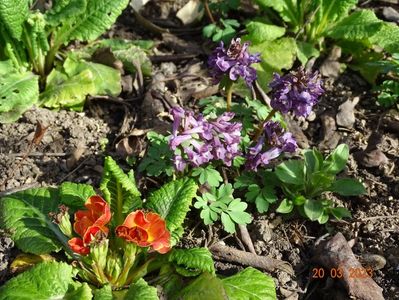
369, 227
390, 14
376, 262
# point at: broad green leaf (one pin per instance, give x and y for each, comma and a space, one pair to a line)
357, 26
323, 219
65, 10
140, 290
306, 51
98, 17
18, 92
260, 32
291, 171
106, 80
286, 206
276, 55
348, 187
299, 200
387, 38
47, 280
250, 284
199, 259
104, 293
329, 12
172, 202
25, 216
74, 195
313, 209
287, 9
63, 91
313, 161
336, 161
206, 286
340, 212
13, 14
119, 190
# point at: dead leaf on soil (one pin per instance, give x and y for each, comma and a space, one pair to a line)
336, 253
331, 136
192, 11
25, 261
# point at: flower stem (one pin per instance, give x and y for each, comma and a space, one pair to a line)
260, 128
229, 94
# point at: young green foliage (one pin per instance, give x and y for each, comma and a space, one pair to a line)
304, 181
30, 40
220, 204
225, 32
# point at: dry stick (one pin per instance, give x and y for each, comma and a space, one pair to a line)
269, 264
148, 24
208, 12
246, 238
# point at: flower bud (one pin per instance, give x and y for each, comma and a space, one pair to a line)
62, 219
113, 266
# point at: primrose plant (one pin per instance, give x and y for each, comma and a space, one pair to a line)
112, 244
35, 68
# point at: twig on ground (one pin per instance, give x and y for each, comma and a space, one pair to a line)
18, 189
269, 264
208, 12
148, 24
246, 238
73, 171
173, 58
55, 154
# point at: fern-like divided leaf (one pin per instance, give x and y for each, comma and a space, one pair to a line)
197, 260
172, 202
18, 92
25, 216
98, 17
13, 14
119, 190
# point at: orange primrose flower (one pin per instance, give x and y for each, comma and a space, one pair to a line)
145, 229
90, 223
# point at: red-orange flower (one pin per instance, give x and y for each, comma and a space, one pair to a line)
145, 229
90, 223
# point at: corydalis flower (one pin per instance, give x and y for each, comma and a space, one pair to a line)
297, 91
145, 229
273, 142
197, 141
234, 62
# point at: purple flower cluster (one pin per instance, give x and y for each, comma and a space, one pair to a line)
197, 141
277, 142
297, 91
234, 62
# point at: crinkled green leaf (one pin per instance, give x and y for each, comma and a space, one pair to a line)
172, 202
197, 259
205, 286
357, 26
331, 11
140, 290
286, 206
260, 32
119, 190
25, 216
13, 14
63, 91
106, 80
387, 38
6, 67
18, 92
65, 10
305, 51
74, 195
98, 17
348, 187
250, 284
104, 293
47, 280
340, 212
